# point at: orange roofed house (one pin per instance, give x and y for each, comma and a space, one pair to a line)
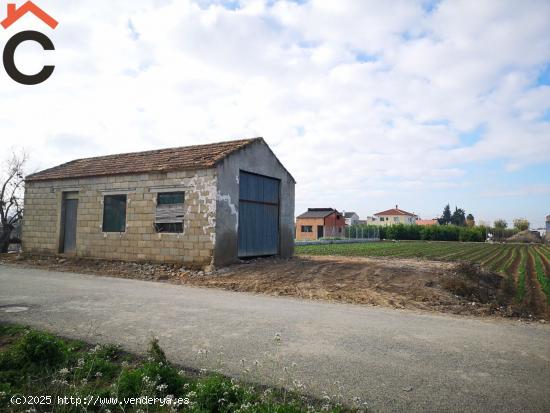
317, 223
427, 222
394, 216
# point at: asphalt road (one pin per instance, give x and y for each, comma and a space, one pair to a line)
394, 360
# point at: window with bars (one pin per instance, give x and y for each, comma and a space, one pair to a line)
169, 212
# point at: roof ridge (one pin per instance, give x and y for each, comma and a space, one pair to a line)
149, 151
165, 159
401, 211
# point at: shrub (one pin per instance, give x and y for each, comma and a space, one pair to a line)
218, 394
152, 379
473, 234
129, 384
39, 349
403, 232
164, 374
98, 362
98, 367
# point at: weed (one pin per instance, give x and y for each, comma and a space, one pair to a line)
40, 363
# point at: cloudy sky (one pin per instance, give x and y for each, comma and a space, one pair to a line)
369, 104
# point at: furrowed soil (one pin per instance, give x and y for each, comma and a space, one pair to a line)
535, 299
448, 287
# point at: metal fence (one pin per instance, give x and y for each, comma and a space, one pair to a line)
348, 234
367, 232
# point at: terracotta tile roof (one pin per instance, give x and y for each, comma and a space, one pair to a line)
394, 211
161, 160
427, 222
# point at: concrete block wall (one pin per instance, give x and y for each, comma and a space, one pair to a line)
140, 241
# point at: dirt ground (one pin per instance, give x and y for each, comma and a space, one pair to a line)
396, 283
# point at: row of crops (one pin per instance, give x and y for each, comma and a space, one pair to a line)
520, 263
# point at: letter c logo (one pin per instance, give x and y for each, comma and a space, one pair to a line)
9, 57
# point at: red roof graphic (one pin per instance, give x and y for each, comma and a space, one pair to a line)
15, 14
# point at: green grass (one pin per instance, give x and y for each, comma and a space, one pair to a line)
541, 274
36, 363
438, 250
505, 265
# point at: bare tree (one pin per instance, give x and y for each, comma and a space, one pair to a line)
11, 196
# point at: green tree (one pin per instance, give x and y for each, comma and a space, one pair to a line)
446, 217
500, 224
521, 224
459, 217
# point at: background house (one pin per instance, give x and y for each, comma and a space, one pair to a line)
427, 222
351, 218
394, 216
318, 223
204, 204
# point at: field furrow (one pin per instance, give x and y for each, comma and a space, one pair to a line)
495, 256
512, 259
534, 298
503, 258
542, 269
521, 274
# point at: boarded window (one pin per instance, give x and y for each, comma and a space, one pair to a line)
114, 213
169, 213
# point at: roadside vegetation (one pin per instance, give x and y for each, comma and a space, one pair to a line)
36, 363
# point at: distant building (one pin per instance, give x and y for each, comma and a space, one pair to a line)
318, 223
351, 218
427, 222
394, 216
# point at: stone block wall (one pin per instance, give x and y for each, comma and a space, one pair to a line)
140, 241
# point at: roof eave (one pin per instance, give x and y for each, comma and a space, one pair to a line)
165, 170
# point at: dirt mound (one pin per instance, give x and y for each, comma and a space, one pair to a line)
473, 283
526, 236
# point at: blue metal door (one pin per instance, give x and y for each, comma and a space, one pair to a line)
258, 215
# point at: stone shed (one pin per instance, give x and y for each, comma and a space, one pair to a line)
199, 205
